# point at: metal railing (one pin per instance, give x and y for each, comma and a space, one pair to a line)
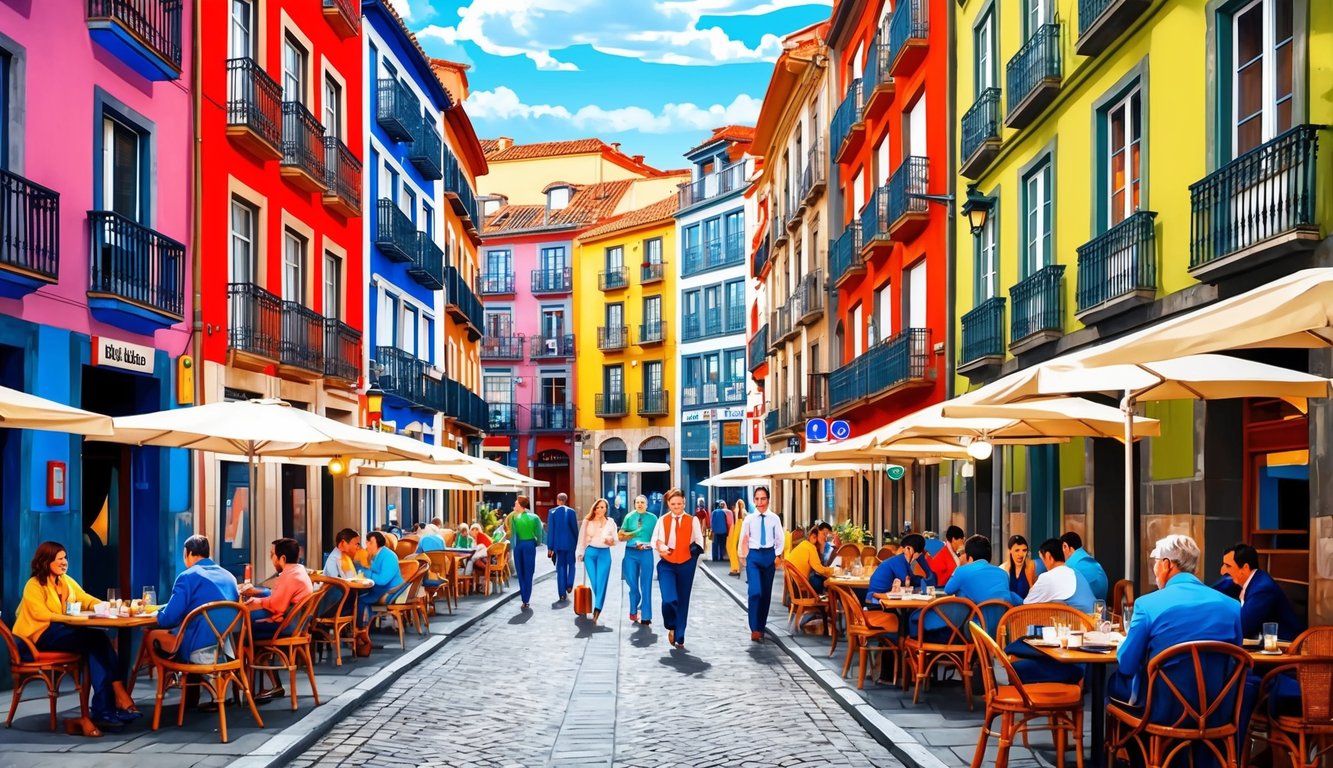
712, 321
981, 122
911, 179
157, 23
134, 263
342, 350
1036, 61
793, 412
426, 153
495, 283
1038, 303
344, 172
395, 235
612, 337
875, 217
427, 266
894, 361
303, 141
502, 347
396, 109
780, 324
463, 405
654, 402
725, 180
611, 404
1089, 11
733, 249
254, 100
816, 395
735, 319
458, 292
711, 393
811, 291
847, 115
501, 417
758, 351
402, 374
910, 21
613, 279
652, 333
771, 422
813, 178
651, 272
845, 252
552, 346
691, 326
878, 60
1268, 191
29, 226
547, 417
551, 280
1120, 261
983, 331
302, 337
254, 320
692, 258
458, 190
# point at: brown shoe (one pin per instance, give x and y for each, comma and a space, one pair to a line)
757, 636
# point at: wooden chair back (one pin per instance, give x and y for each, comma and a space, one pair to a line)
797, 536
227, 627
332, 597
1121, 592
439, 564
956, 613
1200, 684
848, 554
851, 608
1314, 672
800, 586
869, 555
990, 653
886, 551
1014, 624
405, 548
296, 622
448, 535
12, 645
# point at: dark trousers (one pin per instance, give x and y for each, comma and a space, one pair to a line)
525, 563
759, 569
817, 583
674, 581
564, 571
367, 598
1033, 666
719, 546
102, 660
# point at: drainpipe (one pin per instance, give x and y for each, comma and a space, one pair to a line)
950, 231
197, 331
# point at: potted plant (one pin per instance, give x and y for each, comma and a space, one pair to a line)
849, 533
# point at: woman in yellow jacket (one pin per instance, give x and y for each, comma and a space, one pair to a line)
734, 538
46, 594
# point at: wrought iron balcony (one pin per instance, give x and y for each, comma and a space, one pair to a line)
777, 229
458, 191
816, 395
909, 32
654, 402
427, 266
848, 129
780, 326
983, 335
981, 133
495, 283
613, 279
145, 34
1258, 207
875, 223
552, 347
464, 406
611, 405
29, 234
502, 418
758, 352
344, 16
397, 110
795, 204
908, 212
845, 255
610, 338
698, 395
302, 337
876, 81
254, 109
550, 281
652, 333
344, 178
1038, 309
735, 319
651, 272
1118, 268
303, 148
815, 175
342, 350
134, 264
254, 320
712, 321
426, 153
692, 259
395, 235
897, 361
461, 303
792, 413
403, 375
759, 260
771, 422
547, 417
1100, 22
811, 291
733, 249
502, 347
732, 178
1032, 76
691, 326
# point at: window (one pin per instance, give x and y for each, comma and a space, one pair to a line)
498, 387
293, 267
409, 204
557, 198
712, 233
244, 233
987, 73
553, 392
242, 29
615, 258
734, 366
333, 107
499, 263
407, 328
735, 306
553, 259
613, 381
857, 329
1262, 37
712, 310
499, 323
1035, 14
987, 266
881, 325
858, 192
882, 161
689, 315
553, 324
1037, 211
735, 229
652, 376
652, 251
121, 163
915, 312
428, 220
333, 286
615, 317
387, 313
914, 144
691, 234
293, 70
652, 314
1124, 138
389, 183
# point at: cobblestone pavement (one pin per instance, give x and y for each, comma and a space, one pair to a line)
545, 689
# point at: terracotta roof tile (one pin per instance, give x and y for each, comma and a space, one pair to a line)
544, 149
589, 205
489, 146
661, 210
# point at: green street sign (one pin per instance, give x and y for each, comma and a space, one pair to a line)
895, 471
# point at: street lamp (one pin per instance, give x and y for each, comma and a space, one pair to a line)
374, 406
976, 208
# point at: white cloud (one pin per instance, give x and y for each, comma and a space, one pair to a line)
504, 104
404, 8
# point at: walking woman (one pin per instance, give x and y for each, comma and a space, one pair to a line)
679, 539
734, 538
597, 535
637, 569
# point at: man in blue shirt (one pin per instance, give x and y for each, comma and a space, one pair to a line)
1261, 599
719, 526
975, 579
1077, 557
562, 538
908, 568
203, 581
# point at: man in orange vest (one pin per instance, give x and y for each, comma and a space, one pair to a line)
679, 539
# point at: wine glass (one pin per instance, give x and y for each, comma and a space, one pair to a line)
150, 596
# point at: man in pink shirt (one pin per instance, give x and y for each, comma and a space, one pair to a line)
268, 607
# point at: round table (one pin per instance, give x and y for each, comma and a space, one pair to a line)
122, 625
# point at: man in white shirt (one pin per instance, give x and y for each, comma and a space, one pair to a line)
673, 537
760, 545
1060, 583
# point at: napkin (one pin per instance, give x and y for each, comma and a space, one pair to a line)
1103, 638
102, 609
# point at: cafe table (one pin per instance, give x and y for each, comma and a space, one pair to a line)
1097, 665
123, 626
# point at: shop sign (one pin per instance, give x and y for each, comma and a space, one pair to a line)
113, 353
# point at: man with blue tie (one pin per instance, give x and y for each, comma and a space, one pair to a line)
1077, 557
562, 538
760, 546
1261, 598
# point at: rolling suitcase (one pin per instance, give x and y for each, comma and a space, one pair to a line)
583, 597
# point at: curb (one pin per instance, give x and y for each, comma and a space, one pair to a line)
885, 731
289, 743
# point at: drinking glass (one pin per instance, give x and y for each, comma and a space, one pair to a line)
1062, 634
1270, 636
1098, 610
112, 595
150, 596
930, 591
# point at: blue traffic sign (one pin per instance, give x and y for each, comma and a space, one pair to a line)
840, 429
816, 431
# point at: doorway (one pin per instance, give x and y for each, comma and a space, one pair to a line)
295, 511
233, 541
1277, 493
551, 466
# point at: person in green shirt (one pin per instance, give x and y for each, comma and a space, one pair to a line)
525, 531
637, 568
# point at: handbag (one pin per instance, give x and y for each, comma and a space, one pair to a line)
695, 550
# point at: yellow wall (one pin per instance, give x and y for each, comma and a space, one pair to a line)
522, 181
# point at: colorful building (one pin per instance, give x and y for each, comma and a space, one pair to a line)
1139, 160
625, 354
279, 206
96, 253
713, 229
519, 172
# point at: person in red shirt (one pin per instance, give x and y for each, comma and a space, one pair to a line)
946, 560
268, 607
479, 535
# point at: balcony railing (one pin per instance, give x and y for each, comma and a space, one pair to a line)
816, 395
1032, 76
691, 326
905, 187
29, 228
983, 333
303, 143
771, 422
1119, 263
1038, 304
458, 190
552, 418
302, 337
502, 347
611, 404
733, 249
133, 263
502, 417
427, 266
495, 283
254, 322
875, 218
612, 337
981, 132
394, 234
154, 25
254, 105
735, 319
792, 412
1267, 194
814, 176
909, 29
811, 292
344, 176
652, 333
547, 347
551, 280
427, 150
461, 302
712, 322
403, 375
463, 405
697, 395
344, 16
652, 272
845, 117
342, 350
878, 60
759, 260
1100, 22
780, 325
613, 279
397, 110
692, 258
893, 362
758, 352
845, 254
726, 180
654, 402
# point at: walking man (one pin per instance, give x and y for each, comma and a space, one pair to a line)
762, 539
561, 541
525, 529
637, 568
720, 524
679, 539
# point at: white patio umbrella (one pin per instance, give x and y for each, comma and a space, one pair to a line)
782, 466
20, 410
477, 472
636, 467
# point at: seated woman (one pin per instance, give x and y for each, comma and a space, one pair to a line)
45, 595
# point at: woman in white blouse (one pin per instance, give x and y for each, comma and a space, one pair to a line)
597, 534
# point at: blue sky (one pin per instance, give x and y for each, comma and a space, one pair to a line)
656, 77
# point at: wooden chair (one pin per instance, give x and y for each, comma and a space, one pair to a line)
1304, 731
423, 602
400, 604
492, 567
405, 548
992, 612
50, 667
334, 616
885, 552
923, 654
1121, 591
438, 584
449, 535
1013, 625
1017, 705
227, 625
464, 583
861, 632
804, 599
848, 554
796, 536
288, 647
1208, 708
869, 556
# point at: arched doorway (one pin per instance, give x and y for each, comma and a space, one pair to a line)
552, 466
615, 485
654, 485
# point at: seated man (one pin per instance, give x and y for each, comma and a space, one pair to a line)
948, 558
203, 581
1077, 557
430, 541
341, 561
268, 607
1261, 599
908, 568
1060, 583
804, 558
976, 580
383, 571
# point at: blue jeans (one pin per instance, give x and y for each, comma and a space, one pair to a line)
367, 598
675, 580
525, 563
719, 545
102, 660
637, 569
759, 569
564, 571
597, 563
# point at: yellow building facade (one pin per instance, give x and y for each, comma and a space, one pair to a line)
521, 173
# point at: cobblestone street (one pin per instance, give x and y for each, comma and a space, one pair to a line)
541, 688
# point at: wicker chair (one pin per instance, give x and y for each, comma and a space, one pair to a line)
423, 601
289, 647
1017, 705
1121, 591
334, 616
1014, 623
923, 654
804, 599
1209, 710
50, 667
401, 604
440, 580
1304, 732
492, 568
861, 632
